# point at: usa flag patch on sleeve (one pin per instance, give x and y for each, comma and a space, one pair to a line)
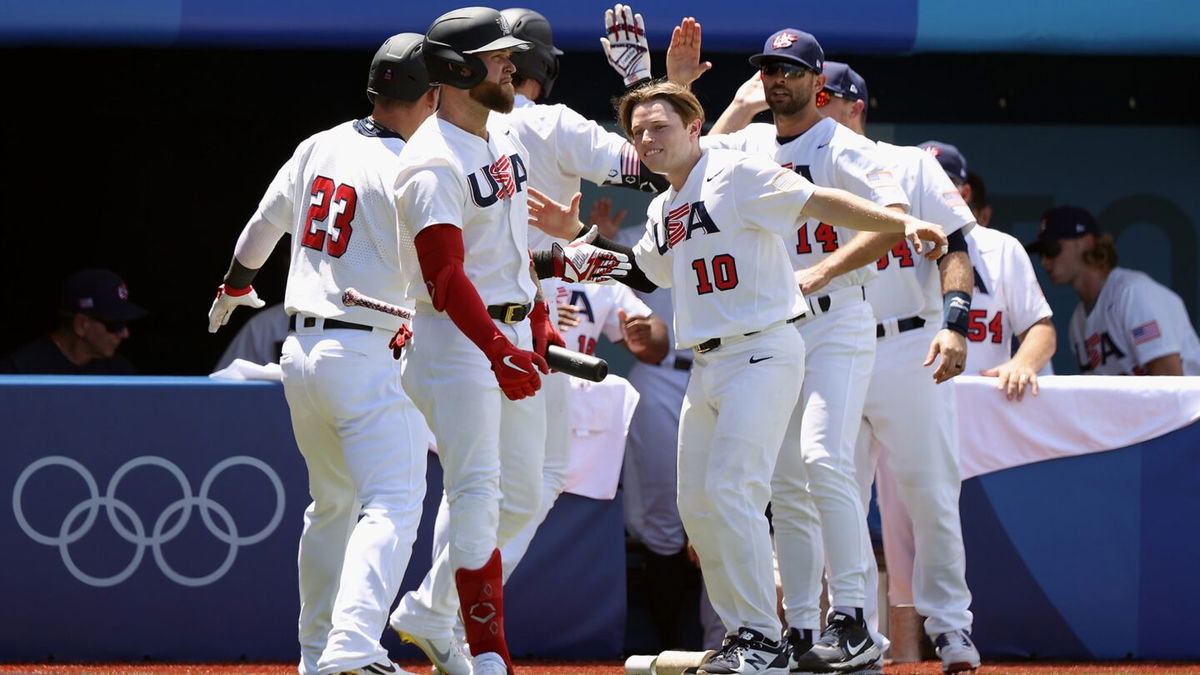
1146, 332
880, 177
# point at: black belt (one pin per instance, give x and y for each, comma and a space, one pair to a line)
902, 325
712, 343
509, 313
311, 321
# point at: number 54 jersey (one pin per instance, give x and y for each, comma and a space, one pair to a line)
719, 243
334, 196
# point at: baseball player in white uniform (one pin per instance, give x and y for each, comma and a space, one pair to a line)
1125, 323
362, 438
561, 148
921, 310
1007, 302
720, 239
815, 498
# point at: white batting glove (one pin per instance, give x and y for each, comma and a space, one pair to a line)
229, 299
580, 261
625, 46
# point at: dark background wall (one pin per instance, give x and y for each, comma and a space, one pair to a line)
149, 161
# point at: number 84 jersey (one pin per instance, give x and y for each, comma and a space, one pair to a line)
719, 243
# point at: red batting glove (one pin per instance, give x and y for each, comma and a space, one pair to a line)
516, 369
545, 333
399, 339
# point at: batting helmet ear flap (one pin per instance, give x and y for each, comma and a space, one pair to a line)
449, 66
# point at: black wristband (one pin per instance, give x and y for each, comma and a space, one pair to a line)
239, 276
543, 264
956, 311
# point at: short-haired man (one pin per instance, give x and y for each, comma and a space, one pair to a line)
1125, 323
719, 237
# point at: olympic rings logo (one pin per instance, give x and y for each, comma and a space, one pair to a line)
73, 530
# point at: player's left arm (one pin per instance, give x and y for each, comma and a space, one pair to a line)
958, 280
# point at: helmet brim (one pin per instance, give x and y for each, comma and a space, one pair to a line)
505, 42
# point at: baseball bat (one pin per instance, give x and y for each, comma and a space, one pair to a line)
564, 360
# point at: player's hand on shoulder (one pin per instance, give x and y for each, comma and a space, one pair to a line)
557, 220
926, 239
952, 347
683, 54
1012, 377
581, 261
229, 299
516, 369
625, 44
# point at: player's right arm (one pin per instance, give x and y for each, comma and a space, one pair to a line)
749, 100
838, 207
430, 207
258, 238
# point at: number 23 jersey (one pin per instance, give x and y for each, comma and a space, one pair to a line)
719, 243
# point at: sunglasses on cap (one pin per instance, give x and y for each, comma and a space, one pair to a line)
791, 71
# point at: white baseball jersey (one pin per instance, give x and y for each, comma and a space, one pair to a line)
1007, 299
567, 147
1135, 320
829, 155
598, 310
334, 197
909, 284
447, 175
720, 242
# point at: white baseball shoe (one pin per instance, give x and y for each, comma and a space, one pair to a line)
957, 652
381, 668
489, 663
444, 652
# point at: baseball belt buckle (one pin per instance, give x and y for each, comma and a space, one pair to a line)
510, 313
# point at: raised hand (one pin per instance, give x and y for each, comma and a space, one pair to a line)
581, 261
683, 54
556, 220
602, 217
625, 44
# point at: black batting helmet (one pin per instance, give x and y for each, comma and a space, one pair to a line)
398, 69
454, 39
540, 63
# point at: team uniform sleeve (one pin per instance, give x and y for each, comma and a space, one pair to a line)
868, 173
768, 195
430, 195
623, 298
1146, 317
592, 152
656, 266
1026, 303
277, 205
940, 201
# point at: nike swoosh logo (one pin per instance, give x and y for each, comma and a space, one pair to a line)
754, 360
823, 145
380, 668
714, 175
509, 362
855, 649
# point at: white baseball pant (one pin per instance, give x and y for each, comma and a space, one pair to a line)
731, 429
911, 424
816, 510
364, 443
491, 450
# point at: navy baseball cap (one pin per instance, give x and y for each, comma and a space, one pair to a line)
99, 293
794, 46
952, 161
843, 82
1062, 222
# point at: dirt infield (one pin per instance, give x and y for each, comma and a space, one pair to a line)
593, 668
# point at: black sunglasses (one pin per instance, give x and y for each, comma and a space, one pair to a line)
791, 71
113, 326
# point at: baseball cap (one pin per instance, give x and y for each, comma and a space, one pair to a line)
792, 45
843, 82
952, 161
100, 293
1062, 222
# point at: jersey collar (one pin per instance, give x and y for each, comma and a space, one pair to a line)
369, 127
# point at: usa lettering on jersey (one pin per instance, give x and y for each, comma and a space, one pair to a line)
1098, 348
677, 231
504, 178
